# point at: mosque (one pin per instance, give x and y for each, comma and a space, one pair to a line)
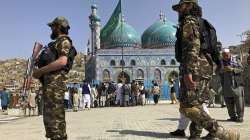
117, 51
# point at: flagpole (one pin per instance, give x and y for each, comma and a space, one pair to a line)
121, 18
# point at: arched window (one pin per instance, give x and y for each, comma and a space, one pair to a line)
173, 62
140, 74
106, 75
163, 62
112, 63
122, 63
157, 75
172, 75
132, 63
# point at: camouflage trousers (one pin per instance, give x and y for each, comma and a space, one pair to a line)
54, 113
191, 107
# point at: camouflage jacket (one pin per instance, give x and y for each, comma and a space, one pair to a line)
192, 60
62, 46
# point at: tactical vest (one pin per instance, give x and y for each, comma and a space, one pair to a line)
50, 54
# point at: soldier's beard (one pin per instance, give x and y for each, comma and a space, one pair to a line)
182, 15
53, 35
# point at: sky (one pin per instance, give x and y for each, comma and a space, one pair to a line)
22, 22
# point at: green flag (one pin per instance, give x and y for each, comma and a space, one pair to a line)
112, 23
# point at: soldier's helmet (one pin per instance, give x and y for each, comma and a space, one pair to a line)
177, 6
60, 20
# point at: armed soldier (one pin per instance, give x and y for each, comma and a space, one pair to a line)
195, 72
54, 65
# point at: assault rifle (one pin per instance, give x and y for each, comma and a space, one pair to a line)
29, 69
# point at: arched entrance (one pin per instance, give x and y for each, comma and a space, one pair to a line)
123, 76
106, 76
173, 75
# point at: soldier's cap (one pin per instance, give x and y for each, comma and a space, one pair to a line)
226, 50
177, 6
60, 20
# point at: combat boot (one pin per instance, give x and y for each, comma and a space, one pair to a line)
178, 132
227, 134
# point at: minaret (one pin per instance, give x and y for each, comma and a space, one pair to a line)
95, 27
161, 16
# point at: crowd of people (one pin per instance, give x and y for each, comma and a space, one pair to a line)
30, 104
85, 95
108, 94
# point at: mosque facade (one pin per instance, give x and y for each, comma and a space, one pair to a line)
118, 52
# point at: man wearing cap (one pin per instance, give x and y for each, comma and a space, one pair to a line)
54, 86
232, 86
195, 73
246, 79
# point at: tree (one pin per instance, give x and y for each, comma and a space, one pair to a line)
247, 42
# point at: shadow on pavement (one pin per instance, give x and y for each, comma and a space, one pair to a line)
223, 121
144, 133
170, 119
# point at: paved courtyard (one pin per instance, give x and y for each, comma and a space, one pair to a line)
131, 123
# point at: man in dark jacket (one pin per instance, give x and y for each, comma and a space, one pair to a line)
246, 79
232, 86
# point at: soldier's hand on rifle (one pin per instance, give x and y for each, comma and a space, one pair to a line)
36, 73
191, 85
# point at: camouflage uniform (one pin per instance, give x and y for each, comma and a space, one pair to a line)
195, 63
53, 95
192, 61
54, 114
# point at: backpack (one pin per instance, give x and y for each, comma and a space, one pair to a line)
156, 90
178, 51
71, 57
208, 39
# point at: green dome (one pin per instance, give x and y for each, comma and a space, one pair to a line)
159, 35
122, 35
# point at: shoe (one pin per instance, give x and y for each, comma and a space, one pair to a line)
222, 106
178, 132
239, 120
232, 119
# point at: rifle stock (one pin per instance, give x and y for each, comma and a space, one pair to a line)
36, 49
30, 66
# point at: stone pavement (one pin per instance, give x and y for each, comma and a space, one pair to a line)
150, 122
12, 114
